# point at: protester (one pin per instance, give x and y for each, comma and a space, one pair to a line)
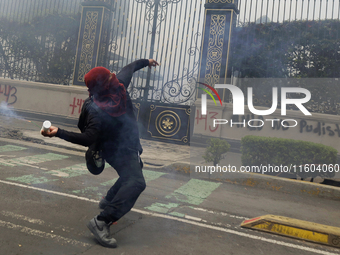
107, 120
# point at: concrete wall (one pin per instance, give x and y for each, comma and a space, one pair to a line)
318, 128
66, 101
41, 98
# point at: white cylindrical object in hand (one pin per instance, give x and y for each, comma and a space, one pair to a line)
46, 125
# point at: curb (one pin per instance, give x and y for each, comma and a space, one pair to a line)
288, 186
299, 229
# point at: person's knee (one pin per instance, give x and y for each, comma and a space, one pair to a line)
136, 183
140, 183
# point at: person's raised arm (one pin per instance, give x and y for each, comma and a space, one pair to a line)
125, 75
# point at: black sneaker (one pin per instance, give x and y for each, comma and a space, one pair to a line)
103, 203
101, 231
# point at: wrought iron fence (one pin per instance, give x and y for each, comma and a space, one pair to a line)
265, 11
34, 48
166, 30
25, 11
38, 39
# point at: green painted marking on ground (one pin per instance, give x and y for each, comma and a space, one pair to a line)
10, 147
3, 162
31, 179
177, 214
92, 189
89, 190
161, 208
194, 191
148, 175
36, 159
83, 191
110, 182
71, 171
151, 175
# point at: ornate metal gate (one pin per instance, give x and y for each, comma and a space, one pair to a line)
169, 31
166, 30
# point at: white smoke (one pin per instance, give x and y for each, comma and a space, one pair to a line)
7, 112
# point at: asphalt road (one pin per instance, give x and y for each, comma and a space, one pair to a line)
48, 196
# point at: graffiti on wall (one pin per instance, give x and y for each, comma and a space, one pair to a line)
8, 93
207, 120
76, 105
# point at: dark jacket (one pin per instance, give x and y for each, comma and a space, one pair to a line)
115, 134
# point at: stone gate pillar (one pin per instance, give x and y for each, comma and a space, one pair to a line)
93, 38
219, 20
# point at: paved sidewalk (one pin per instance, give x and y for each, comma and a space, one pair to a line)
157, 154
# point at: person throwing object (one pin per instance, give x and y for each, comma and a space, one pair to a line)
107, 120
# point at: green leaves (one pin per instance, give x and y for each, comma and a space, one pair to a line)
42, 49
215, 150
294, 49
258, 150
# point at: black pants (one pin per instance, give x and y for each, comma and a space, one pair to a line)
130, 184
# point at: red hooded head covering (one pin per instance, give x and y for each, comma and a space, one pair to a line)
107, 92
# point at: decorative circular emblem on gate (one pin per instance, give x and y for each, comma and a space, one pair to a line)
168, 123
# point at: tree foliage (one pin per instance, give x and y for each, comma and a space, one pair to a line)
298, 49
272, 151
43, 49
214, 152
